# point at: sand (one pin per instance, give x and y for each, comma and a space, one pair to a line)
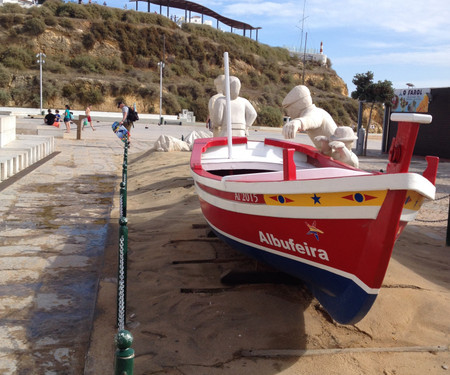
185, 321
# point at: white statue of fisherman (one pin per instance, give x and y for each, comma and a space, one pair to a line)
218, 82
339, 145
306, 116
242, 112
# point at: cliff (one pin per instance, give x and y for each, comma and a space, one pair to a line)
98, 55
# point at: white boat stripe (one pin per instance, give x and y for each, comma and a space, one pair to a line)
394, 181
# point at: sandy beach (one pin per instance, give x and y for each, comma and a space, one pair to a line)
185, 321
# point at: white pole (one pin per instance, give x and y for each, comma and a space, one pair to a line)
161, 66
40, 71
40, 61
228, 107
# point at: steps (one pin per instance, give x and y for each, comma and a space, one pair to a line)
18, 152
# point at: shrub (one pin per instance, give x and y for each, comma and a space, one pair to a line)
17, 58
192, 90
69, 91
12, 8
5, 77
50, 91
83, 92
66, 23
51, 5
50, 20
88, 41
34, 26
55, 66
150, 92
270, 116
140, 62
72, 10
24, 95
90, 95
111, 63
7, 20
86, 64
170, 104
4, 97
200, 109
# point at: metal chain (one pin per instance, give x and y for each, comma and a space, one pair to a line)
443, 197
121, 281
434, 221
121, 205
431, 221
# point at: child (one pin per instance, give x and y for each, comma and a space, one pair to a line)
57, 118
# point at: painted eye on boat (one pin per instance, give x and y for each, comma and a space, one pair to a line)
358, 197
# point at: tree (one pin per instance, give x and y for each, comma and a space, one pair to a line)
370, 92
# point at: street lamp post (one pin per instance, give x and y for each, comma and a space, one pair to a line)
161, 67
40, 61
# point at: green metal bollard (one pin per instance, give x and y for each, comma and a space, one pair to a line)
123, 199
125, 152
124, 358
122, 273
124, 172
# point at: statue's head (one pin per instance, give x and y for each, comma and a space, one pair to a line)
296, 101
344, 134
218, 82
235, 87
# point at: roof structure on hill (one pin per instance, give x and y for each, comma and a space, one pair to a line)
197, 8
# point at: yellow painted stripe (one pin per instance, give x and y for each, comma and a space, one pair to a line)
413, 200
357, 199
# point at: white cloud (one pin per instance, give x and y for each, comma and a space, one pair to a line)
273, 11
430, 19
432, 58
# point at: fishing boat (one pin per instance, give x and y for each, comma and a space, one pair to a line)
331, 225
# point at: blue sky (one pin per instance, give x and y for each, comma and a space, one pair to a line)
400, 41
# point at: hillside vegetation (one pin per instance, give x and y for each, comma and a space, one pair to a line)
98, 55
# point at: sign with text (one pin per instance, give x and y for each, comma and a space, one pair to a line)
411, 100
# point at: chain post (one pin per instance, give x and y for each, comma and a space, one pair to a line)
123, 199
122, 273
124, 358
124, 172
125, 152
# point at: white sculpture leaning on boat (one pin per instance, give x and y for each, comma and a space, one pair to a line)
218, 82
339, 145
242, 112
306, 116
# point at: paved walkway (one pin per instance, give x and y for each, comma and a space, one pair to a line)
54, 220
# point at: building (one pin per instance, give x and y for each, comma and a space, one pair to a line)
310, 54
23, 3
433, 139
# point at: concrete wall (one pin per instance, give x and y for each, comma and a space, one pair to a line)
7, 129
